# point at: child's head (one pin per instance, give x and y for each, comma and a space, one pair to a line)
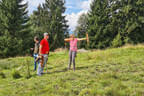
36, 39
72, 36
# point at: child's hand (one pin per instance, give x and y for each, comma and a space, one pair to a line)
32, 49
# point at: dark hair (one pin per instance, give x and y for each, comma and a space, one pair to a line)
36, 38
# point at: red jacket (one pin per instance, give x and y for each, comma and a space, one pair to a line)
45, 46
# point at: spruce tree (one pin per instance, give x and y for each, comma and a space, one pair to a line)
81, 29
58, 28
113, 23
14, 28
98, 20
50, 18
39, 20
134, 24
127, 20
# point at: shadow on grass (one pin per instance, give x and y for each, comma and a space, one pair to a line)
58, 71
65, 70
84, 67
54, 72
77, 68
34, 75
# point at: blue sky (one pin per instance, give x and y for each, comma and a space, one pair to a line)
74, 8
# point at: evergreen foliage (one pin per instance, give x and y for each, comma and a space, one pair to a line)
14, 30
81, 29
50, 18
113, 23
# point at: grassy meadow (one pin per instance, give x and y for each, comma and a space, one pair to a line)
111, 72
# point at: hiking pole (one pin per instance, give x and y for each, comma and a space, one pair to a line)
87, 37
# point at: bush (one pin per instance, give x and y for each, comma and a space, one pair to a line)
2, 75
85, 92
28, 75
16, 74
117, 42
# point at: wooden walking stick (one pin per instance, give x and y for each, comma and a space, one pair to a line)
87, 37
40, 59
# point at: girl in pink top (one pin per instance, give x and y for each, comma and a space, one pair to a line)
73, 49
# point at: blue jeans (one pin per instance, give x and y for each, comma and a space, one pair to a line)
40, 69
35, 63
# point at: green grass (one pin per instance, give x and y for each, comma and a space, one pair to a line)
111, 72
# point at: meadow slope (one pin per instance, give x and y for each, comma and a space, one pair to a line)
111, 72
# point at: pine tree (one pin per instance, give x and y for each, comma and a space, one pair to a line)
58, 27
127, 20
14, 28
98, 20
39, 19
134, 24
113, 23
81, 29
51, 19
117, 22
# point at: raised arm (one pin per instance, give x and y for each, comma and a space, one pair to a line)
67, 40
81, 39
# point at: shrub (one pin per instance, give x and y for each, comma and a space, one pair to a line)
2, 75
85, 92
117, 42
27, 64
16, 74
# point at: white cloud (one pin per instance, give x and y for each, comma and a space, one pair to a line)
85, 5
73, 17
72, 4
33, 4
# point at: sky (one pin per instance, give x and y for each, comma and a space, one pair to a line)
74, 8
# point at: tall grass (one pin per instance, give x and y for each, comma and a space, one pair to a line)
111, 72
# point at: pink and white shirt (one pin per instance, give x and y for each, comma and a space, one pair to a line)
73, 44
